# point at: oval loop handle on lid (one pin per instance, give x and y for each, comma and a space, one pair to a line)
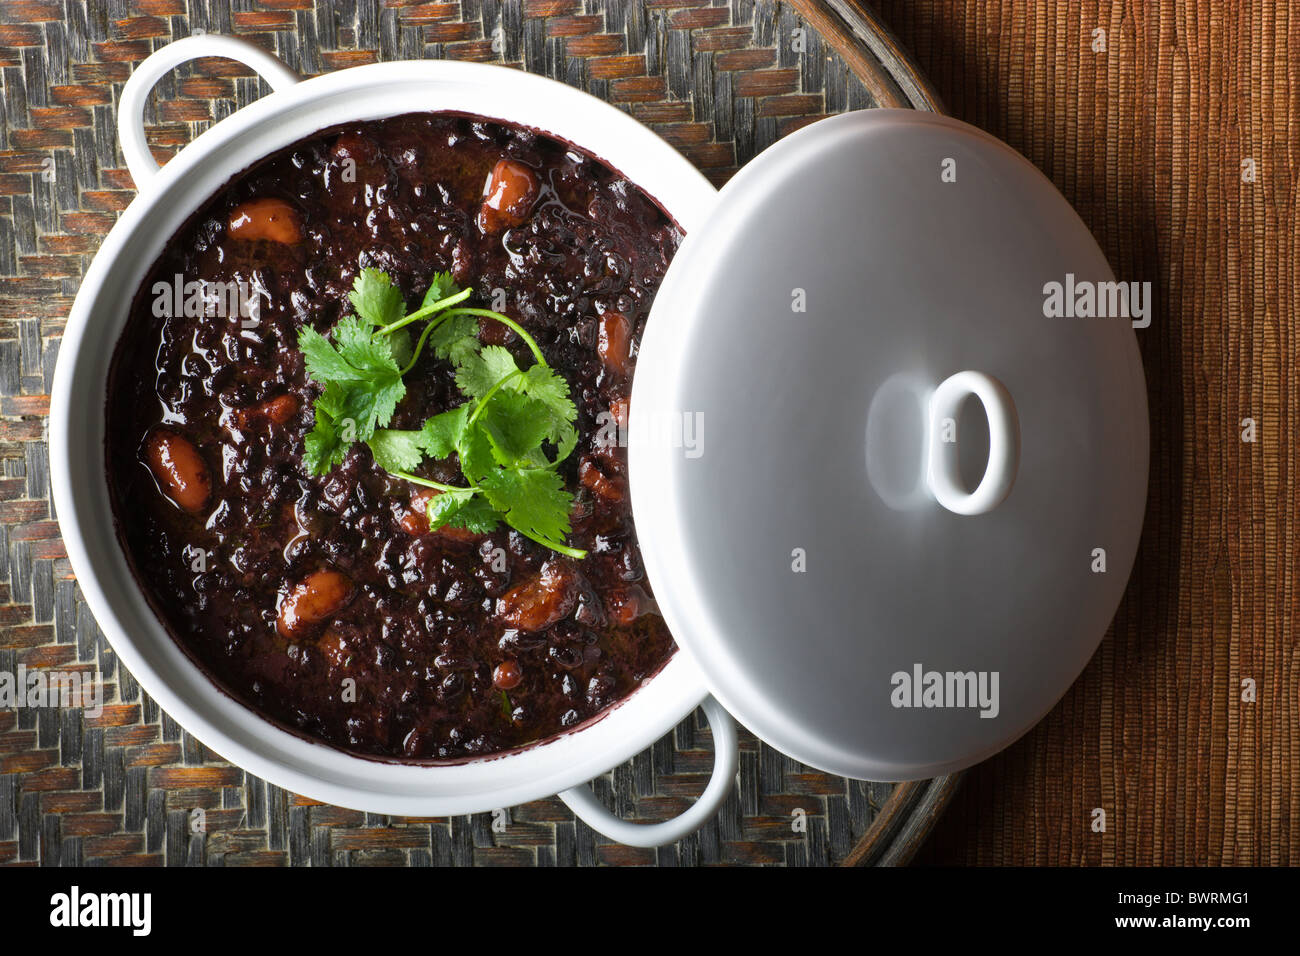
135, 94
1004, 444
726, 758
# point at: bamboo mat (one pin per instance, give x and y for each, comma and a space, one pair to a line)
720, 81
1149, 138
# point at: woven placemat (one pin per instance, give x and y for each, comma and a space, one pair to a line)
719, 81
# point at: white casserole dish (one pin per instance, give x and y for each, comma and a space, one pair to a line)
167, 197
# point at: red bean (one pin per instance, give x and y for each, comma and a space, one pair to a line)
180, 470
334, 648
541, 601
590, 475
278, 410
507, 675
313, 599
625, 605
615, 342
420, 499
508, 195
415, 523
272, 219
618, 408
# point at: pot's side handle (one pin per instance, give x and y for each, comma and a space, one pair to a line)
135, 94
726, 757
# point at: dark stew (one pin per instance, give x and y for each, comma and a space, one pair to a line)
325, 602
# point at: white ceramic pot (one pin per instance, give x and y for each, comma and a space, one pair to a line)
166, 198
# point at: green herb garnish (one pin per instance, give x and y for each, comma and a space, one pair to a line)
500, 434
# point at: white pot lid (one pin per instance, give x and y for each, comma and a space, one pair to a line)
797, 476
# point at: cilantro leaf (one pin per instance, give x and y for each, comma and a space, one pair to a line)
363, 369
515, 425
533, 500
367, 353
462, 509
331, 400
455, 338
556, 409
500, 434
362, 379
440, 287
565, 439
442, 433
323, 448
477, 373
324, 363
475, 451
544, 384
365, 407
401, 346
446, 503
477, 516
345, 413
396, 450
375, 298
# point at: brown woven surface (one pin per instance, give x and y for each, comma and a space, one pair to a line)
720, 81
1147, 140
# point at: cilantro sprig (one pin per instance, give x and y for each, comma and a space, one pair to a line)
510, 434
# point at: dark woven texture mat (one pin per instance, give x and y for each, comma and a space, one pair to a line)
719, 81
1178, 142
